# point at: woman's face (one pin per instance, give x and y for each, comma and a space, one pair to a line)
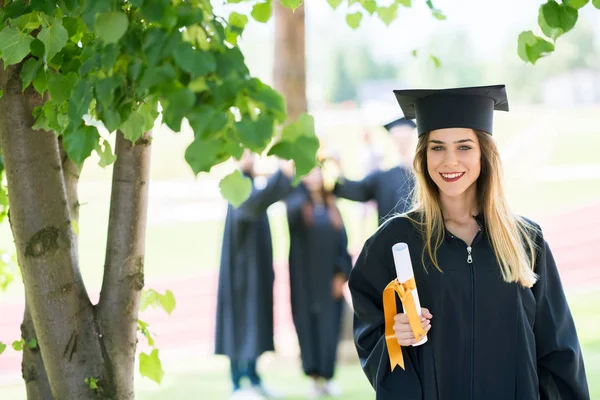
453, 159
314, 180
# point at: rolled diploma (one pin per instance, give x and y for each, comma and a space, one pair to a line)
404, 271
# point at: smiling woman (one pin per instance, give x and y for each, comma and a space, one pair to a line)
486, 274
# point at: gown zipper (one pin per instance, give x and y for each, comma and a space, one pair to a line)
472, 274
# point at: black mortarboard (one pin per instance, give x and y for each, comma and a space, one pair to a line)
468, 107
399, 122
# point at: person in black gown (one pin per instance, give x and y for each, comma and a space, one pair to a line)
496, 318
390, 189
244, 326
319, 267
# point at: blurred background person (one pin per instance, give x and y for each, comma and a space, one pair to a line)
390, 189
244, 327
319, 267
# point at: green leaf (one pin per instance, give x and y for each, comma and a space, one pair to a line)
176, 107
33, 343
203, 154
143, 327
1, 93
79, 102
54, 37
299, 143
45, 6
133, 128
198, 85
155, 76
559, 16
105, 89
532, 47
14, 9
167, 302
438, 14
193, 61
576, 4
80, 142
111, 26
405, 3
106, 155
109, 56
37, 48
262, 12
303, 151
293, 4
370, 6
353, 20
334, 3
436, 61
14, 45
271, 100
29, 71
92, 382
60, 86
150, 366
547, 30
29, 21
75, 227
40, 82
151, 297
149, 112
255, 135
2, 347
596, 3
154, 10
304, 126
388, 14
237, 19
235, 188
18, 345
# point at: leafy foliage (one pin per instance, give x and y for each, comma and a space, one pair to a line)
165, 301
112, 63
554, 20
150, 364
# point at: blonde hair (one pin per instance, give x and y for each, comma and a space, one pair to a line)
511, 236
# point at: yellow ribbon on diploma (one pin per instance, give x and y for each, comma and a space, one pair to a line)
404, 291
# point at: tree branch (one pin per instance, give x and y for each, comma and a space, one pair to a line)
60, 307
32, 367
125, 249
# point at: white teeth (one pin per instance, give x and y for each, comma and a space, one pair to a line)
452, 176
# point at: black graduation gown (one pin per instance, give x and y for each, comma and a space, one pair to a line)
244, 327
391, 189
489, 340
317, 253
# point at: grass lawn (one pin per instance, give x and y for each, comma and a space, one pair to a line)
193, 375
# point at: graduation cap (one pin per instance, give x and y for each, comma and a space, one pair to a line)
399, 122
467, 107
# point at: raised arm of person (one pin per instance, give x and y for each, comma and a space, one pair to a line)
363, 190
278, 186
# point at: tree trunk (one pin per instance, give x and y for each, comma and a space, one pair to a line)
124, 265
290, 63
62, 314
32, 366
